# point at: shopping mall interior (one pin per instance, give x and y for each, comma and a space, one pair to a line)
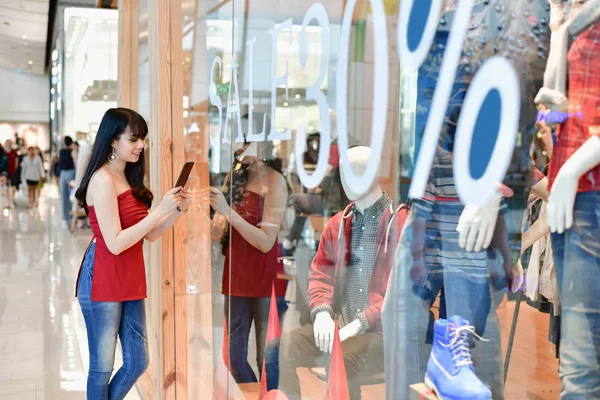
283, 199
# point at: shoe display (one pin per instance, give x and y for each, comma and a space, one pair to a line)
450, 372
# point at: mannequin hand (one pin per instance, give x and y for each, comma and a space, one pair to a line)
561, 201
564, 189
477, 223
551, 98
323, 331
351, 330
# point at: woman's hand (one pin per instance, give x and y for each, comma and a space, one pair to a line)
170, 201
218, 202
186, 199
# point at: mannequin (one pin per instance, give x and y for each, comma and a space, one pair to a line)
327, 199
347, 284
574, 202
447, 247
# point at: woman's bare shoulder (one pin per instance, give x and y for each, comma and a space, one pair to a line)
276, 180
101, 180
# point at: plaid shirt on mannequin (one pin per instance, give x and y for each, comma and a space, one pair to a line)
362, 257
584, 97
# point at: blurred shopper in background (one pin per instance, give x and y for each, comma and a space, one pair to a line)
32, 172
12, 167
67, 174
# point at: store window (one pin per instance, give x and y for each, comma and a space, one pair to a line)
372, 196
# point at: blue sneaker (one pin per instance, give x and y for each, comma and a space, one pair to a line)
450, 373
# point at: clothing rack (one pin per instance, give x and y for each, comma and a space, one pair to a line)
511, 337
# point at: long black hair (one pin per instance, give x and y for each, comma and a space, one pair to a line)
113, 125
235, 192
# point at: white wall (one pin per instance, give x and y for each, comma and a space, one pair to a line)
24, 97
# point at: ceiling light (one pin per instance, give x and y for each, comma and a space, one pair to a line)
105, 97
311, 128
24, 37
285, 104
297, 96
30, 62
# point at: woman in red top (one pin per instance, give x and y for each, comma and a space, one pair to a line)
249, 230
111, 286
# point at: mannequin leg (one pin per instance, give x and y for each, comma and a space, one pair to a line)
405, 318
577, 262
469, 293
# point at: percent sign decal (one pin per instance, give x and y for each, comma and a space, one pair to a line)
496, 78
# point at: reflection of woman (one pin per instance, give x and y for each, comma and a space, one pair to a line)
111, 286
258, 193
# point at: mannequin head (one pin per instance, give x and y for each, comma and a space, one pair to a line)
358, 158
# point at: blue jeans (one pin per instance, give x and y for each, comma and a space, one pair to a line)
577, 263
406, 317
240, 312
104, 321
65, 192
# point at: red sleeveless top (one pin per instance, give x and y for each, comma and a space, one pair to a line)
122, 277
249, 271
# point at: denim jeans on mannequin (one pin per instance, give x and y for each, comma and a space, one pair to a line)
65, 192
104, 321
406, 318
577, 263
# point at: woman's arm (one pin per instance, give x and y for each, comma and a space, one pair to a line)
163, 225
540, 189
263, 237
218, 226
104, 194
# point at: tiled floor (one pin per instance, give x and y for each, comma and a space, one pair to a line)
43, 347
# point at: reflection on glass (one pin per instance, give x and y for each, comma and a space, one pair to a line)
414, 294
247, 220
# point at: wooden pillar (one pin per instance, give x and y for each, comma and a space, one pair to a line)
164, 153
179, 261
127, 95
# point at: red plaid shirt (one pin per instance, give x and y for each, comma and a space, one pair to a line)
584, 96
327, 281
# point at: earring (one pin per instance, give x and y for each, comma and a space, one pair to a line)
112, 157
264, 160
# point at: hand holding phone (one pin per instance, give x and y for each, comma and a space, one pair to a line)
186, 170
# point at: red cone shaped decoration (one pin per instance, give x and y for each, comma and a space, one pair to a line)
276, 395
337, 382
273, 332
225, 346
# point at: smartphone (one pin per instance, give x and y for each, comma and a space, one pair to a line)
184, 174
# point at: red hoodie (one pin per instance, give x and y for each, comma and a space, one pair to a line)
327, 280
